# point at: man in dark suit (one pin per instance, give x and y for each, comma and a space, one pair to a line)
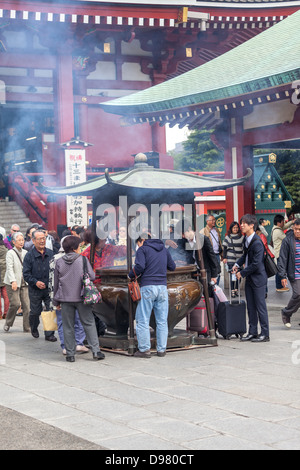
253, 269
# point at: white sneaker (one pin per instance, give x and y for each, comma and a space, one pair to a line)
287, 325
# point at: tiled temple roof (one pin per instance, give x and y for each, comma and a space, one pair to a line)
266, 61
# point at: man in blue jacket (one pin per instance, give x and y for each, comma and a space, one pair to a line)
253, 269
151, 263
36, 274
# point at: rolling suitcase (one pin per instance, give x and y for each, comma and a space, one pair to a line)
231, 317
197, 319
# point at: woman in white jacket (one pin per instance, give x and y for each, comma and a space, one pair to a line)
16, 287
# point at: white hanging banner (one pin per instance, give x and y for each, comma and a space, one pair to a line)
76, 173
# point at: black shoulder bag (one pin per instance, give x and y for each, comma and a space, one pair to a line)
270, 265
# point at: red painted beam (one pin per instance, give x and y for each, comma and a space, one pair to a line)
263, 12
138, 11
118, 84
266, 135
29, 97
36, 61
10, 80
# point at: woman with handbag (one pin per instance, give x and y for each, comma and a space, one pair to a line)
79, 331
16, 287
232, 251
68, 293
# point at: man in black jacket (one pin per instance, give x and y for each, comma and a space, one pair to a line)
289, 269
36, 274
184, 251
256, 280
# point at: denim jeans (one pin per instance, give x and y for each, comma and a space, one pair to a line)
152, 298
79, 331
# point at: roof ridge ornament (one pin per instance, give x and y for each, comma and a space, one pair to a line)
140, 160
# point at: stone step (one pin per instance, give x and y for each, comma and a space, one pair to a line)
11, 213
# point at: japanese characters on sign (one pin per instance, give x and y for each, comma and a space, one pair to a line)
75, 174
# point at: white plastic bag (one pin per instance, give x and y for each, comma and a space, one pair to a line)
220, 294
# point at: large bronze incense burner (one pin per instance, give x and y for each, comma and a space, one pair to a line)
184, 293
153, 193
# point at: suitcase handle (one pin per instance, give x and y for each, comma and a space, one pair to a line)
239, 288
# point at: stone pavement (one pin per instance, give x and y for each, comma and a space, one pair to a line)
233, 396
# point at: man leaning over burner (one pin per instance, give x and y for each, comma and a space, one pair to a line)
152, 263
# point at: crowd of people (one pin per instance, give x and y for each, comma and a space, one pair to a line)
33, 279
243, 253
40, 271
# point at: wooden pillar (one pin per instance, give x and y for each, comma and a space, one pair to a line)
238, 200
248, 162
64, 119
81, 108
64, 101
158, 133
159, 139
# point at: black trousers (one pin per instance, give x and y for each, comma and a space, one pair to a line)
257, 308
37, 297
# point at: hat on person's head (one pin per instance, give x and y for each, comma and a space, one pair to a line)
61, 250
3, 232
172, 223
